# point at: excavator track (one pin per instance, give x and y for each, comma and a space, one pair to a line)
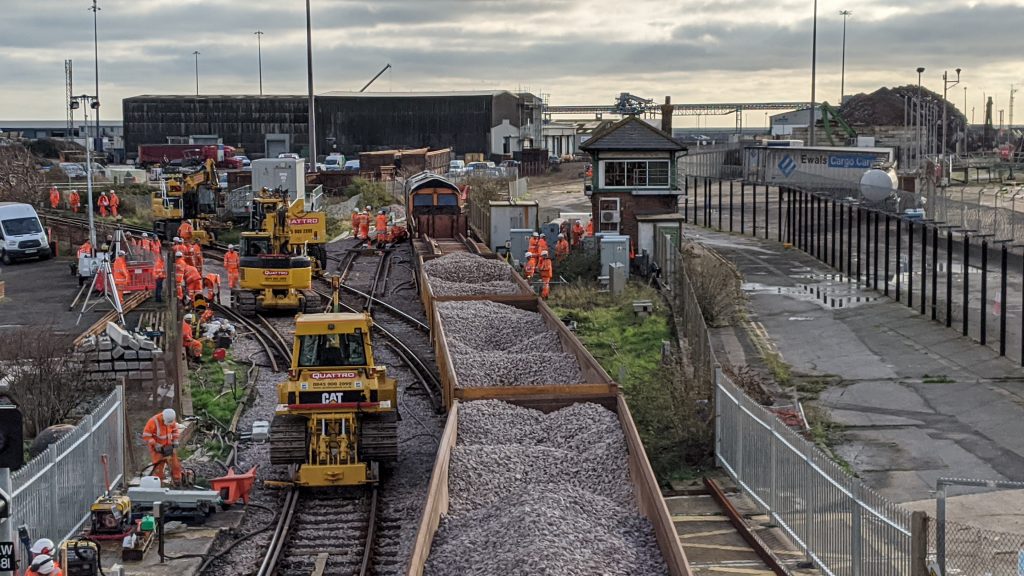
244, 302
378, 437
288, 440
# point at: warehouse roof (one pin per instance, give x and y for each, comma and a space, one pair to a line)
216, 96
346, 94
631, 133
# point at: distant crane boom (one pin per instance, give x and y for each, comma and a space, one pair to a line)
374, 79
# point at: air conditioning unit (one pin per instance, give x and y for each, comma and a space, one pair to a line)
609, 216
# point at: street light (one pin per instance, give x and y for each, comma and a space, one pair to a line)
311, 123
259, 52
93, 103
842, 77
196, 54
946, 85
814, 65
96, 57
920, 138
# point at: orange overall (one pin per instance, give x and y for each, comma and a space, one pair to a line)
157, 435
546, 272
75, 201
54, 198
231, 265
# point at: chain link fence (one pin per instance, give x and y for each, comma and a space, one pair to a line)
974, 551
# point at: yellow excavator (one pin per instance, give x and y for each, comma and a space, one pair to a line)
191, 197
336, 421
277, 260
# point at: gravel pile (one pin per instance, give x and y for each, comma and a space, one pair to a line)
495, 344
463, 274
445, 288
541, 494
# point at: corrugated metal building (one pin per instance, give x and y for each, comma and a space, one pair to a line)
491, 122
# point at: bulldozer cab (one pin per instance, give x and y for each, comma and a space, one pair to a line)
256, 244
333, 350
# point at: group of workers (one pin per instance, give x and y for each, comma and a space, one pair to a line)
108, 203
43, 559
537, 260
384, 230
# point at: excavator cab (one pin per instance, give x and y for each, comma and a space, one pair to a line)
271, 278
337, 414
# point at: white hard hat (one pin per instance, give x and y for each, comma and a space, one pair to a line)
121, 252
231, 246
368, 207
177, 240
179, 255
529, 254
189, 317
111, 191
535, 234
43, 564
168, 414
543, 252
561, 235
42, 546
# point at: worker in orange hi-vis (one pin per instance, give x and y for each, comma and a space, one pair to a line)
161, 436
185, 230
120, 272
54, 197
364, 225
197, 254
179, 273
159, 275
104, 203
355, 220
85, 249
590, 227
211, 282
381, 226
534, 246
542, 244
561, 247
115, 203
193, 282
577, 234
529, 265
74, 200
231, 265
546, 271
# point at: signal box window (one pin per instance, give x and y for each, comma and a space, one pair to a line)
327, 350
636, 174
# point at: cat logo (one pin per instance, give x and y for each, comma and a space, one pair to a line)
332, 398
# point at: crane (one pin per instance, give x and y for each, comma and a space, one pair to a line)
374, 79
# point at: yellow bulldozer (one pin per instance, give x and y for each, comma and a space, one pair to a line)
336, 421
278, 259
191, 197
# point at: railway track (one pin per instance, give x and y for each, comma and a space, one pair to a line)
276, 346
326, 532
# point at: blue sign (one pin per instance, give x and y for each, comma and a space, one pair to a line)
787, 165
850, 161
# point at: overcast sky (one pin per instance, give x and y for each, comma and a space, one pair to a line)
574, 51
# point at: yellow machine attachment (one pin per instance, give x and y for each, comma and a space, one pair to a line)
193, 197
337, 414
79, 557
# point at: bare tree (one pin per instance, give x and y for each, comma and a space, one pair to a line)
20, 181
47, 380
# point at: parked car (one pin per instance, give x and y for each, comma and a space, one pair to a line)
351, 166
334, 163
475, 166
244, 160
291, 155
456, 167
21, 233
555, 160
73, 170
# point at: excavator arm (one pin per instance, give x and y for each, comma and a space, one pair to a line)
831, 114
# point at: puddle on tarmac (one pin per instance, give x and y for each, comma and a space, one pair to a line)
826, 290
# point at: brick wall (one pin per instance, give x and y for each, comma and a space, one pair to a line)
632, 206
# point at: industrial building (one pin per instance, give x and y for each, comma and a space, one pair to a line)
494, 123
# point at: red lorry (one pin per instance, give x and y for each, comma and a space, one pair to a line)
188, 154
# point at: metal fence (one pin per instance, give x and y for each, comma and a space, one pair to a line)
842, 526
53, 492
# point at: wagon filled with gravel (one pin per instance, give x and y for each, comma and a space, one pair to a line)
544, 486
511, 348
467, 276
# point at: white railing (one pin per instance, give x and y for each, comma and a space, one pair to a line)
53, 492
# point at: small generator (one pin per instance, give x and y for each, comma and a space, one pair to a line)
80, 558
111, 515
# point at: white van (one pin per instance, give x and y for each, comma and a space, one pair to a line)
21, 233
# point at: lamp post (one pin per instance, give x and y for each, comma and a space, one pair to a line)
196, 54
814, 65
86, 102
259, 53
842, 77
920, 138
311, 123
946, 85
96, 58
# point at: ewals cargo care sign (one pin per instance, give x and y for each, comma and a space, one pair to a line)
821, 166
